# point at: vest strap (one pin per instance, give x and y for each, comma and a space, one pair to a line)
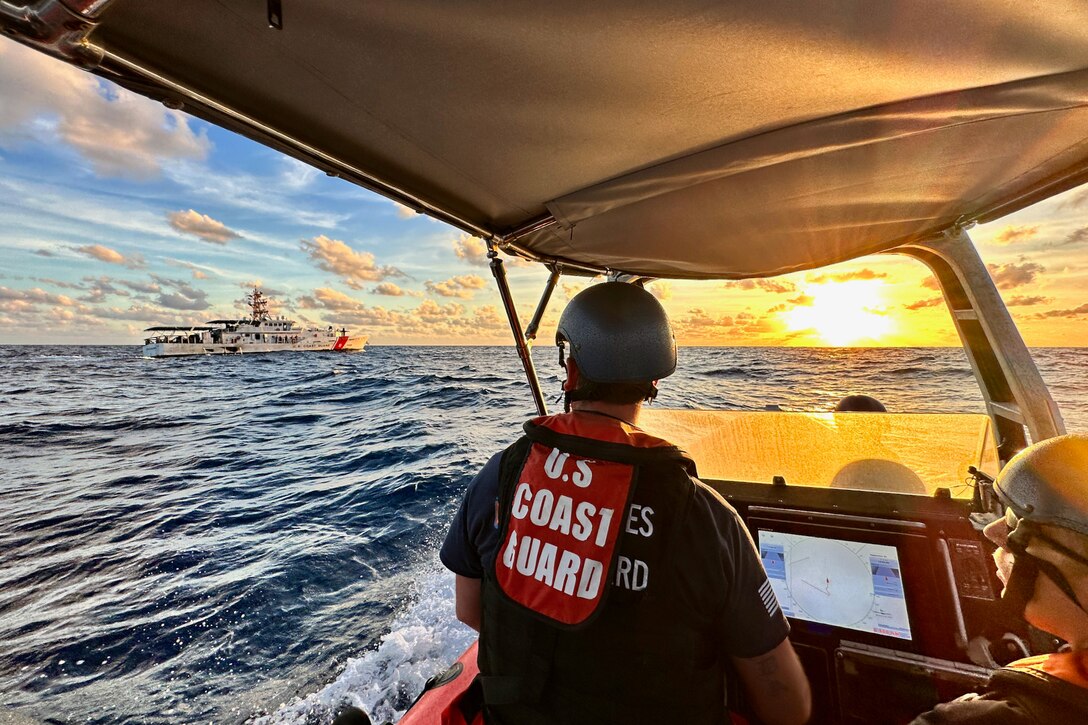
607, 450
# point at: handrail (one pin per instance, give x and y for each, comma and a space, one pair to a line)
1016, 396
498, 270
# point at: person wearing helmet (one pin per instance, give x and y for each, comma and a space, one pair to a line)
1042, 558
855, 403
608, 584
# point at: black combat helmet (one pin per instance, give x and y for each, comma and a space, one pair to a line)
1044, 485
618, 333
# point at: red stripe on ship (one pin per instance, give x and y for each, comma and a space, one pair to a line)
340, 342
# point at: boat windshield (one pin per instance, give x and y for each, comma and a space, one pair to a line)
892, 452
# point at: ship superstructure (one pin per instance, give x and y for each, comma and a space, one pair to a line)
261, 332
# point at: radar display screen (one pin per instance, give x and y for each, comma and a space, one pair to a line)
841, 583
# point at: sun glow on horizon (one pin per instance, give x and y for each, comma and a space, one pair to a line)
842, 313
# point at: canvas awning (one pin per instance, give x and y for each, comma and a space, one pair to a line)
685, 139
175, 328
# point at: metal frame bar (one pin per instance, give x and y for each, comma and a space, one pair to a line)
533, 225
565, 263
58, 28
498, 270
542, 306
1016, 395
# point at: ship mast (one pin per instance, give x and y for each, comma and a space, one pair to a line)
258, 304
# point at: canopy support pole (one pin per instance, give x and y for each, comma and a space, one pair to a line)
542, 306
520, 341
1016, 395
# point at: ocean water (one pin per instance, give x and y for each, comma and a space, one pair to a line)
253, 539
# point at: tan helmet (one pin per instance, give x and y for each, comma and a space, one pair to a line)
1047, 483
1044, 485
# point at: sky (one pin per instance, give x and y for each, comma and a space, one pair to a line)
117, 213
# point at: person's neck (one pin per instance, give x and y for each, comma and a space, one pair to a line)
627, 412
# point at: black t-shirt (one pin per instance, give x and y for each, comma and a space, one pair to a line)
725, 583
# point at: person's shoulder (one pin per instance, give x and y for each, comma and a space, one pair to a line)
488, 475
708, 499
710, 514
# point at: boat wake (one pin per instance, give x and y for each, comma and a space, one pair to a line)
423, 641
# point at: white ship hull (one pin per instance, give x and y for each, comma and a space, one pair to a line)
341, 343
260, 333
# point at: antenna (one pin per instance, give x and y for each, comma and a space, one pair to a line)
258, 303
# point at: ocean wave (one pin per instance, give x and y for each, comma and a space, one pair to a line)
423, 640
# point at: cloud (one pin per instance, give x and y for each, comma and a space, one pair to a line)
263, 194
1075, 312
118, 132
269, 291
931, 282
463, 286
330, 299
474, 251
704, 326
699, 318
429, 320
36, 296
774, 286
44, 253
147, 315
404, 212
471, 249
353, 267
298, 175
1076, 237
1027, 301
391, 290
1074, 201
60, 283
661, 289
802, 300
110, 256
571, 289
181, 301
148, 288
1014, 274
29, 312
1011, 234
922, 304
100, 288
178, 294
865, 273
201, 226
197, 271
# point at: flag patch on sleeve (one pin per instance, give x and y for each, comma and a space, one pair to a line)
770, 601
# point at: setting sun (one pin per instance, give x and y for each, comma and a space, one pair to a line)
841, 313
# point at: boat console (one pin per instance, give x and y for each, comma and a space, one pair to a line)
885, 575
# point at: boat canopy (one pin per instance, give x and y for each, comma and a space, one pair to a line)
679, 139
174, 328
